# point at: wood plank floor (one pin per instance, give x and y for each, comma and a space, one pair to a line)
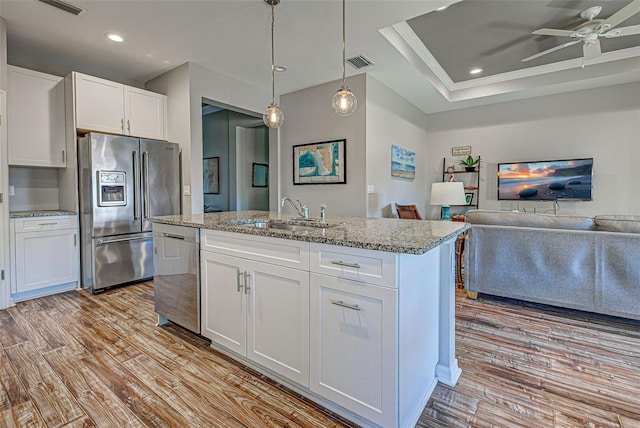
77, 360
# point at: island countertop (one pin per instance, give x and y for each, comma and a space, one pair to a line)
381, 234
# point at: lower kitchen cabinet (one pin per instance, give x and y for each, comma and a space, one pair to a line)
259, 311
353, 358
44, 256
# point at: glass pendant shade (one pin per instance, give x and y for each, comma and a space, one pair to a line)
273, 117
344, 102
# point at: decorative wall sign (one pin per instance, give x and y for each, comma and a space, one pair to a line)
320, 163
260, 175
211, 175
403, 162
461, 150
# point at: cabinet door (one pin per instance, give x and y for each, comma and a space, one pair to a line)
145, 113
278, 319
36, 112
224, 315
47, 258
99, 104
354, 346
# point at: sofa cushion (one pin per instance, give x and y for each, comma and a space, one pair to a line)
546, 221
618, 223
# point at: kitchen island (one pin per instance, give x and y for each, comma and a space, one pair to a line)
356, 314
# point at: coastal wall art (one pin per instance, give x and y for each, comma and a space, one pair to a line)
259, 175
320, 163
403, 162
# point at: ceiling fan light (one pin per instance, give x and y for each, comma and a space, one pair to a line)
344, 102
273, 117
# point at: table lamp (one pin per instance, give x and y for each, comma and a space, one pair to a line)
446, 194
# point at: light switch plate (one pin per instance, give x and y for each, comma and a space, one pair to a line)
186, 190
12, 191
371, 188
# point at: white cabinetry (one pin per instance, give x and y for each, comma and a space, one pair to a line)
105, 106
44, 257
36, 118
257, 310
5, 271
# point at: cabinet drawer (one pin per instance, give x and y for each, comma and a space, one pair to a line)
374, 267
34, 224
283, 252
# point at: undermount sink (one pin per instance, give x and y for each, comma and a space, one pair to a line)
279, 225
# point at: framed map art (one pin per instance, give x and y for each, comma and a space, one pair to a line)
320, 163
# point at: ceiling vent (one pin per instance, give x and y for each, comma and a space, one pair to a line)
359, 61
64, 6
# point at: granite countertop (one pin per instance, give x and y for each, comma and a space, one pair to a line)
381, 234
39, 213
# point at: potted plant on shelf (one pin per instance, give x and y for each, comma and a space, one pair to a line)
470, 163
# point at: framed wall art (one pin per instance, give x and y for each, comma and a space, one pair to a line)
211, 175
259, 175
403, 162
320, 163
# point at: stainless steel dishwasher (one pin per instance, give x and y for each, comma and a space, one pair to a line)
177, 275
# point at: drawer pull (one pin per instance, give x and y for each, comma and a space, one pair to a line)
341, 263
345, 305
47, 224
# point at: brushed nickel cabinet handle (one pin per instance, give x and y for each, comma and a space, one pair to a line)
128, 126
345, 305
240, 275
341, 263
247, 278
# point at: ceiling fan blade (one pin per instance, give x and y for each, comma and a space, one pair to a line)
623, 31
552, 32
591, 50
557, 48
623, 14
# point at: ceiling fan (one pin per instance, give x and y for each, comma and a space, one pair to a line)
589, 32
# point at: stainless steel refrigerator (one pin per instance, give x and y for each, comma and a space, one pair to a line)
123, 181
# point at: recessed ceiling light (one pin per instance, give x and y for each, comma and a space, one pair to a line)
441, 8
280, 68
475, 70
115, 37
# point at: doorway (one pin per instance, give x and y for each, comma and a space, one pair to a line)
232, 142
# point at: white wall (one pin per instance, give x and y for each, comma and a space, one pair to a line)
35, 188
3, 53
602, 123
309, 118
175, 85
252, 146
393, 120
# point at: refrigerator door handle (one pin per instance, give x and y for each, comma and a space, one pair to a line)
101, 242
145, 182
136, 185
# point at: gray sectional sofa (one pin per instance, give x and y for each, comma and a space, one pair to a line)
577, 262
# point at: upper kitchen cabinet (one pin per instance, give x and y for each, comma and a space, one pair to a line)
35, 118
105, 106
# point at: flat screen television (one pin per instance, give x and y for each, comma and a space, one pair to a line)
568, 179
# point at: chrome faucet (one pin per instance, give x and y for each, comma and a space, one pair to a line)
302, 210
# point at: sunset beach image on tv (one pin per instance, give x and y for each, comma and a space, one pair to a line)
545, 180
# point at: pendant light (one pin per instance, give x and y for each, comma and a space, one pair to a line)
274, 116
344, 102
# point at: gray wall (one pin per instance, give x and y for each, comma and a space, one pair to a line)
602, 123
393, 120
35, 188
215, 142
309, 118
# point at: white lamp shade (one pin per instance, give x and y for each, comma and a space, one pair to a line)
448, 193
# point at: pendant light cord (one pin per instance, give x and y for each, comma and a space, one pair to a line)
273, 59
344, 43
